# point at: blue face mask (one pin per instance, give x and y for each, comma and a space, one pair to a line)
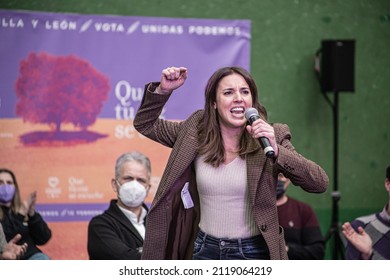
7, 193
280, 189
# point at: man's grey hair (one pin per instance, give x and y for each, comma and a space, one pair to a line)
132, 156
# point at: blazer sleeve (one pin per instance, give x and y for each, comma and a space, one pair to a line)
147, 121
301, 171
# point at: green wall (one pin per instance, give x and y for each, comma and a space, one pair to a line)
285, 37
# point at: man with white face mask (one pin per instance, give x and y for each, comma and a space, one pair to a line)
118, 233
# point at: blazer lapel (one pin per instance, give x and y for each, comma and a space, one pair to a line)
181, 158
255, 160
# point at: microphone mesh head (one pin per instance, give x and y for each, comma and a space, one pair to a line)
250, 112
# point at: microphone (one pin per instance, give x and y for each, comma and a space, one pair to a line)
251, 115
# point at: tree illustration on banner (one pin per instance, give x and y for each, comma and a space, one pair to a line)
58, 90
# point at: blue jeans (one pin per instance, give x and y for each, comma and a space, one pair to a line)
208, 247
39, 256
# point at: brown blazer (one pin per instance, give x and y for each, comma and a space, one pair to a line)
171, 229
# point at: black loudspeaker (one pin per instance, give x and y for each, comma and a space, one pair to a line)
337, 72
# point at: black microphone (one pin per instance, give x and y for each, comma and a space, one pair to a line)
251, 115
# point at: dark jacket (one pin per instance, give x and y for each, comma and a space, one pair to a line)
302, 231
111, 236
35, 232
171, 229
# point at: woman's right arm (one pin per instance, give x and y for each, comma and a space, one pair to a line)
147, 121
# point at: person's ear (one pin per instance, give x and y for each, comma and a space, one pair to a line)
114, 185
148, 188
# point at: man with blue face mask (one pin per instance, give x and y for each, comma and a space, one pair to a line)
118, 233
302, 233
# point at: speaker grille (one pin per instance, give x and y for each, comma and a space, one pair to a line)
338, 66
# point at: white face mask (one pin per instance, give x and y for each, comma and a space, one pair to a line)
132, 193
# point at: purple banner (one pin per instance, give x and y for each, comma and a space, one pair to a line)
64, 212
70, 86
127, 51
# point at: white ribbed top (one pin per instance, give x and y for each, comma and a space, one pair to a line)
224, 203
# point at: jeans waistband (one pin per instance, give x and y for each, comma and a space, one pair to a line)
257, 240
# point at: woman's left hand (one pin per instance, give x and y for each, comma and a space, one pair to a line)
28, 206
261, 128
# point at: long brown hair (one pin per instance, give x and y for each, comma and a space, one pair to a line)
210, 137
16, 201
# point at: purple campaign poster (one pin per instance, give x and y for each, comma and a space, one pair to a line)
70, 85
